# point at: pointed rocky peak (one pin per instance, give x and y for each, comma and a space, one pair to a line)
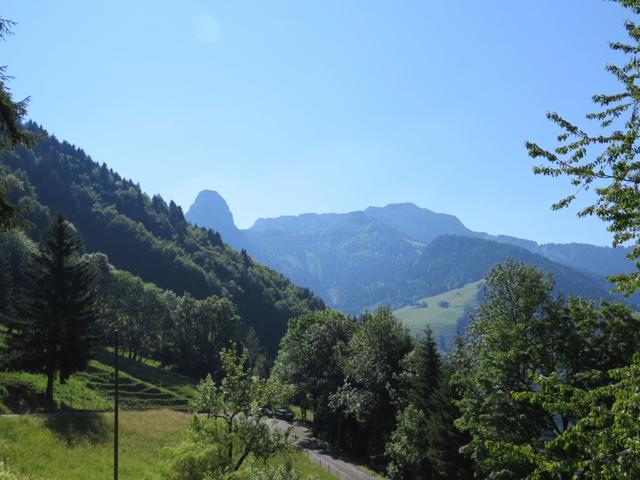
210, 210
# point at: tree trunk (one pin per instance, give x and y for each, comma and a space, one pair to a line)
230, 447
48, 394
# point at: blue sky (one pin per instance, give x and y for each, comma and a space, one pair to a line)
287, 107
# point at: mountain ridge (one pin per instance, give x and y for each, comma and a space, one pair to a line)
358, 259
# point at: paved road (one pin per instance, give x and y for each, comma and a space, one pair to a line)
334, 464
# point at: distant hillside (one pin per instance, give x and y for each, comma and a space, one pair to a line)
453, 261
444, 313
347, 261
602, 261
395, 254
418, 223
150, 237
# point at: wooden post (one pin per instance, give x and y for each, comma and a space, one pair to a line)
115, 408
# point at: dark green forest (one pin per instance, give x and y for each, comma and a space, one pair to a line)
147, 236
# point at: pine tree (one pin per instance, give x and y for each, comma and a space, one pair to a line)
11, 134
445, 440
427, 365
53, 329
408, 445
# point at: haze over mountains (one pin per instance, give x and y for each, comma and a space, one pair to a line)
399, 253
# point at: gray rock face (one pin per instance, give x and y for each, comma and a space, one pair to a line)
210, 210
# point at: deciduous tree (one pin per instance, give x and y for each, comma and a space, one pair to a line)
605, 159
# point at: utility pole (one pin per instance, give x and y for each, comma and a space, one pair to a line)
115, 409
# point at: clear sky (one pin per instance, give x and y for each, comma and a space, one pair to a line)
287, 107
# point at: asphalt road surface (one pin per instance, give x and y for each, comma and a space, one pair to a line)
340, 468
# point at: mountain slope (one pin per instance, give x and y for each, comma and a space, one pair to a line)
151, 238
444, 313
602, 261
418, 223
396, 254
345, 260
453, 261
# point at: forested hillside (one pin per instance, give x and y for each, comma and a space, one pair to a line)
148, 236
400, 253
452, 261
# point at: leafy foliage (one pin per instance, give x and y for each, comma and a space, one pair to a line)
404, 448
606, 160
521, 333
602, 442
445, 439
309, 358
234, 428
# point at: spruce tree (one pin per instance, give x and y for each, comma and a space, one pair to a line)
408, 445
427, 365
11, 134
53, 329
445, 440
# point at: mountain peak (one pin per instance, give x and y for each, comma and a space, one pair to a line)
416, 222
210, 210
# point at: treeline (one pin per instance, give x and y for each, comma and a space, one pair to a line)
529, 392
146, 235
178, 330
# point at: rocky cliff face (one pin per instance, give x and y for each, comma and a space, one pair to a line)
210, 210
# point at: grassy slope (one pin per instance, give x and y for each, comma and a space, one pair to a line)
441, 320
77, 446
142, 385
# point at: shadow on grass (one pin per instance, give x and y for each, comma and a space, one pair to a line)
74, 427
148, 373
21, 397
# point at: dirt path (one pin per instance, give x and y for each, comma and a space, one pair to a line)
334, 464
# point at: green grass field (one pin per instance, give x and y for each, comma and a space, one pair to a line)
78, 446
442, 320
143, 384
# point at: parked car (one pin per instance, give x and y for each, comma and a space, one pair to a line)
284, 414
266, 411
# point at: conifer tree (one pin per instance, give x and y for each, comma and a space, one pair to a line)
427, 365
11, 134
445, 440
53, 329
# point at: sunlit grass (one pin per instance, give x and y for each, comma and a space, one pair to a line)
78, 446
143, 385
